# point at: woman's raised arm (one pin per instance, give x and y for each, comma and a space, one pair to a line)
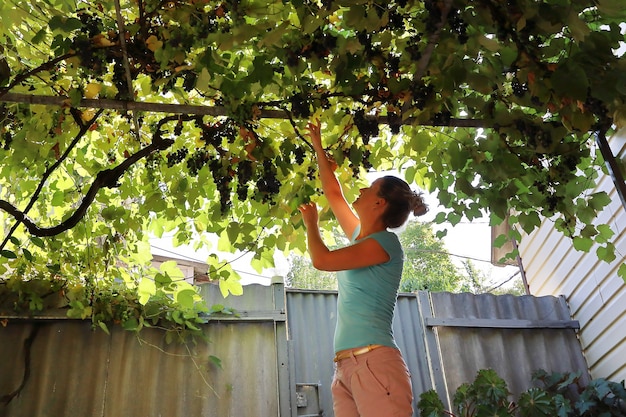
330, 185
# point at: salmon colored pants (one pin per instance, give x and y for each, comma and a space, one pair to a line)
374, 384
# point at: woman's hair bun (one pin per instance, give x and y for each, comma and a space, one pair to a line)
418, 206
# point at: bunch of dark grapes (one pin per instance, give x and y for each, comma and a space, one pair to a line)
300, 106
434, 15
92, 25
366, 159
310, 173
393, 65
222, 180
7, 138
458, 25
242, 192
268, 185
366, 124
299, 155
119, 79
413, 47
552, 201
534, 135
189, 80
519, 89
365, 39
396, 20
442, 118
395, 122
197, 160
174, 158
596, 107
421, 93
244, 171
570, 161
213, 134
223, 188
321, 45
90, 58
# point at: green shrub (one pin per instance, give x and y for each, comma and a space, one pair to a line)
557, 395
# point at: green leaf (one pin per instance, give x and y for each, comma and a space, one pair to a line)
230, 286
146, 289
171, 269
162, 280
459, 157
64, 24
599, 200
570, 80
536, 403
621, 271
578, 28
37, 241
582, 243
28, 255
132, 324
39, 36
606, 253
215, 361
605, 233
529, 221
8, 254
58, 199
355, 16
501, 240
454, 218
430, 405
185, 298
191, 325
104, 327
612, 8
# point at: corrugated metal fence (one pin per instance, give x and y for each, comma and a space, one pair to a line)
276, 357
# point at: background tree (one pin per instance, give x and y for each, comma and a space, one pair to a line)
124, 119
427, 263
428, 267
302, 275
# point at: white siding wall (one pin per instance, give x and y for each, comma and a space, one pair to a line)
596, 295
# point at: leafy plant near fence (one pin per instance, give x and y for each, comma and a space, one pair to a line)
173, 306
557, 395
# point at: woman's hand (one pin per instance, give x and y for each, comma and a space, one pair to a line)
315, 135
309, 214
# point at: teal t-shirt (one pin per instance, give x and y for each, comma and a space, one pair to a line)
367, 298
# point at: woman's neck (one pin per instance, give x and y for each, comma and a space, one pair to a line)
369, 229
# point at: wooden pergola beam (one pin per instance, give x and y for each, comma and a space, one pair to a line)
121, 105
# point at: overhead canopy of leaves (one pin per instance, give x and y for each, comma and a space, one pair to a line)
123, 119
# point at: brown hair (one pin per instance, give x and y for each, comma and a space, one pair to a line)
401, 201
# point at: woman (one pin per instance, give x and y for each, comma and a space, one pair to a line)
371, 377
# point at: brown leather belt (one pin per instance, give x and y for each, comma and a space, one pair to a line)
345, 354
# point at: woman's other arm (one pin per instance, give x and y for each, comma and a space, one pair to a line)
365, 253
